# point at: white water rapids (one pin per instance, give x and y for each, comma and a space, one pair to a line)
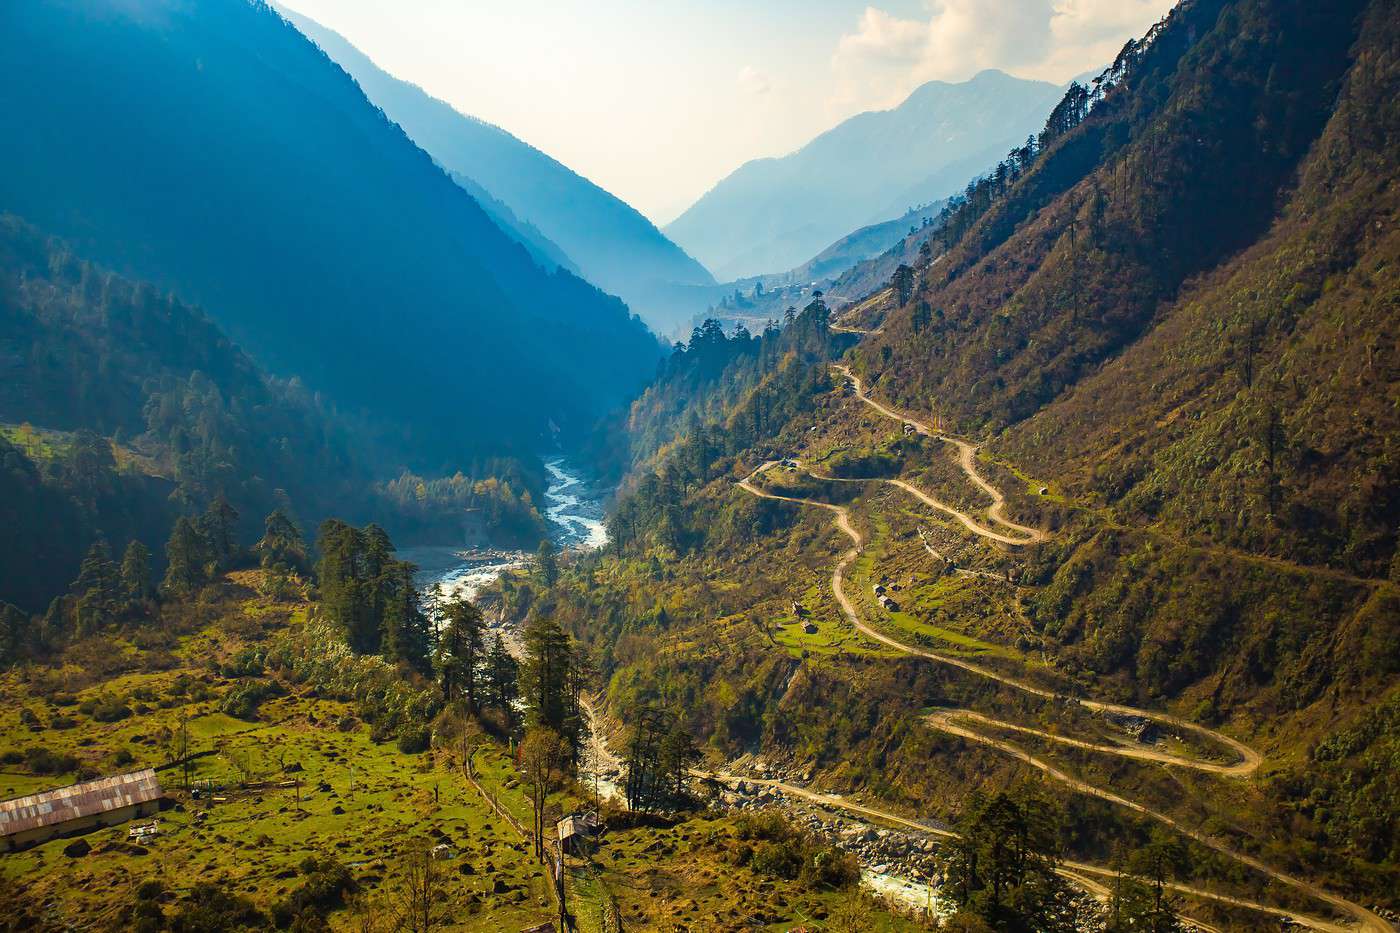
575, 513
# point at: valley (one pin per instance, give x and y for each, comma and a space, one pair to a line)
956, 722
976, 512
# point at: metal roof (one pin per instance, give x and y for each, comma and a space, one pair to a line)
77, 801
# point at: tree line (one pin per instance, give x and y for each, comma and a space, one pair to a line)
107, 593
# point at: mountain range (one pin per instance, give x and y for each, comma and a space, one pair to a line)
214, 151
774, 214
606, 240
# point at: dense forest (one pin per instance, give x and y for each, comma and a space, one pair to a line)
404, 303
122, 407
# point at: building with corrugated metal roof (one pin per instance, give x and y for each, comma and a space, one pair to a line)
78, 808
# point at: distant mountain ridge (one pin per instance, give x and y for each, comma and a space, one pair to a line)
612, 244
215, 151
773, 214
865, 244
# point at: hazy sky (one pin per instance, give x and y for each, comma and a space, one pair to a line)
656, 100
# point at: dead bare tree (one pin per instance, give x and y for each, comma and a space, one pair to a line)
420, 902
541, 754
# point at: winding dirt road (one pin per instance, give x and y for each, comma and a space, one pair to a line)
967, 459
952, 722
1071, 871
1249, 760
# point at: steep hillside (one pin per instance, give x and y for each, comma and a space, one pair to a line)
1108, 501
122, 408
214, 150
1124, 238
614, 246
86, 357
772, 214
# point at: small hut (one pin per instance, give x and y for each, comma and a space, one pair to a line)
576, 829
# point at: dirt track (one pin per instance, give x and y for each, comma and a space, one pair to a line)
948, 721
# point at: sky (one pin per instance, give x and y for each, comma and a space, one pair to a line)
657, 100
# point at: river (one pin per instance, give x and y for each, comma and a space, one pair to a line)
574, 510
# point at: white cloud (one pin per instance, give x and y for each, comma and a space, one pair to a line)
886, 56
753, 81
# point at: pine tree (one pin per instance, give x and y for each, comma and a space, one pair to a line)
549, 683
678, 753
460, 651
1002, 866
903, 283
341, 574
405, 631
379, 584
14, 634
282, 547
185, 560
219, 525
547, 562
501, 678
57, 623
1141, 899
136, 573
98, 590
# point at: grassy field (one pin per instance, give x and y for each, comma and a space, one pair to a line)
323, 789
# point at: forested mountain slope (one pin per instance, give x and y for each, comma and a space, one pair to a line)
86, 357
772, 214
1145, 477
122, 407
213, 150
614, 246
1140, 286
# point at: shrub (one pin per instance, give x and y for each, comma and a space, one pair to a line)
242, 701
764, 824
324, 890
831, 867
778, 859
105, 707
210, 907
146, 916
784, 851
123, 757
111, 709
247, 663
414, 739
43, 761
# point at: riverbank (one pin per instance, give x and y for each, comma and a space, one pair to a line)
574, 509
